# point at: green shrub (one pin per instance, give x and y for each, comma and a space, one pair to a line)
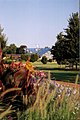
44, 60
24, 56
8, 61
34, 57
50, 60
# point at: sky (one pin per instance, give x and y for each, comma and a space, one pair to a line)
35, 23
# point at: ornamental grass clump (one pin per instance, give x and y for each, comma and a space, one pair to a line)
53, 107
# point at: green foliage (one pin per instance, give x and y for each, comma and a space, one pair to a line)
3, 39
10, 49
8, 61
43, 100
21, 49
34, 57
49, 106
44, 60
67, 46
24, 56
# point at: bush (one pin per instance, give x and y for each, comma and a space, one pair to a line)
44, 60
50, 60
8, 61
24, 57
34, 57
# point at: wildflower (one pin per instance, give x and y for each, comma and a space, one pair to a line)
76, 108
68, 94
10, 118
74, 92
59, 95
74, 113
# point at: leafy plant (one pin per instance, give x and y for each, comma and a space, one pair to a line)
34, 57
44, 60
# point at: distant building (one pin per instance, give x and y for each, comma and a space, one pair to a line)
48, 55
39, 51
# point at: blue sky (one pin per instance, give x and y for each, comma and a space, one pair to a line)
35, 22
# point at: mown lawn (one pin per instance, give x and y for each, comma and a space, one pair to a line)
58, 72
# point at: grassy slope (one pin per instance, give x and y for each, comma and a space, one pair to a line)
57, 71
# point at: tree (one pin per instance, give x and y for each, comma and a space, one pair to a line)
34, 57
24, 57
10, 49
67, 46
72, 35
58, 49
3, 39
13, 48
44, 60
21, 49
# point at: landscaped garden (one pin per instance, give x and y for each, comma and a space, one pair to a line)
34, 87
58, 72
28, 94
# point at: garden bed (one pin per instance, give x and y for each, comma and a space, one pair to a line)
32, 95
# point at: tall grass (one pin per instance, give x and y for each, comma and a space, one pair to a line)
48, 106
51, 103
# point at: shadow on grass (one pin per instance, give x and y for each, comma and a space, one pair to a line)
67, 77
45, 68
60, 74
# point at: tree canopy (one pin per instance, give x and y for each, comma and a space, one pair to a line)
66, 48
21, 49
3, 39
